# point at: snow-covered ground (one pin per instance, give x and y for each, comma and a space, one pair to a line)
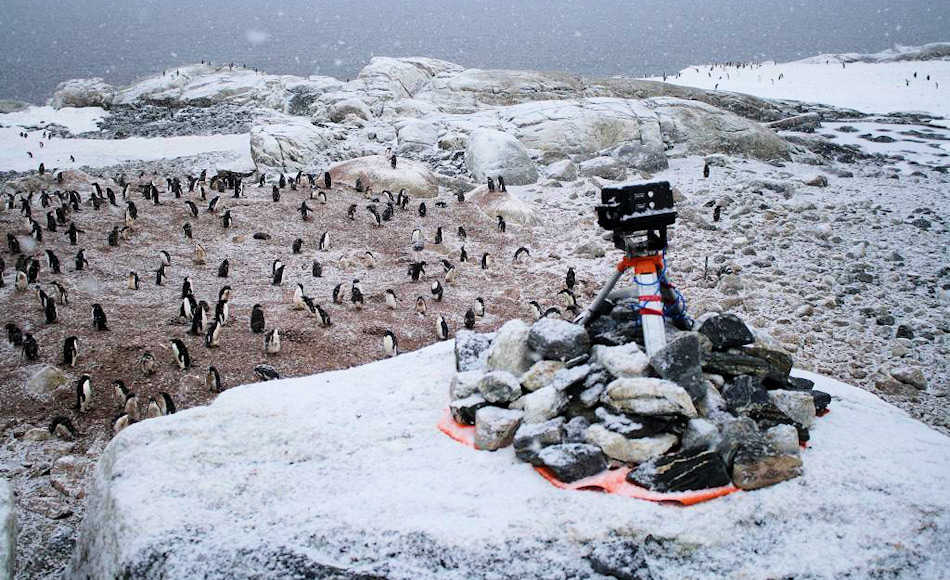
347, 469
75, 120
880, 88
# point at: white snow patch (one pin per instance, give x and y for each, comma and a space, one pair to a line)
80, 120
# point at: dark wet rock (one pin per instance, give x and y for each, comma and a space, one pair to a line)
885, 320
681, 472
726, 331
463, 410
620, 559
531, 438
575, 430
732, 365
471, 350
758, 464
905, 331
822, 400
573, 461
745, 394
780, 363
680, 361
555, 339
261, 236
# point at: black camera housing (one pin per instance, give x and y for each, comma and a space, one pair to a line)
637, 214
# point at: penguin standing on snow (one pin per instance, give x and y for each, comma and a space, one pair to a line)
99, 318
338, 294
133, 281
502, 226
181, 354
31, 350
297, 245
272, 342
153, 409
61, 293
298, 297
705, 170
226, 219
186, 229
421, 305
119, 392
49, 311
486, 261
257, 319
317, 269
441, 328
390, 344
213, 380
84, 394
166, 404
70, 351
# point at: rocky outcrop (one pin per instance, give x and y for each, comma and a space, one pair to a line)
93, 92
8, 530
376, 171
289, 144
493, 153
504, 203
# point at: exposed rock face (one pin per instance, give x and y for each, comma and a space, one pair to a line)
499, 387
465, 384
541, 374
416, 136
45, 381
376, 171
680, 361
495, 427
757, 464
471, 350
8, 530
470, 89
555, 339
682, 472
616, 446
563, 170
647, 396
531, 438
93, 92
493, 153
509, 351
603, 167
339, 111
504, 203
649, 157
624, 361
573, 461
543, 405
288, 146
726, 331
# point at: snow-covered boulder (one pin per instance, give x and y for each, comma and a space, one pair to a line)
79, 93
493, 153
506, 204
563, 170
339, 111
344, 475
8, 530
471, 89
416, 136
603, 167
375, 171
288, 144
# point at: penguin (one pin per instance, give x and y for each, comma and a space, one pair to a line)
469, 319
358, 186
388, 212
390, 299
275, 265
392, 161
417, 270
356, 297
416, 236
450, 271
390, 344
460, 196
41, 297
491, 184
13, 244
63, 428
73, 234
99, 318
222, 312
81, 261
403, 199
438, 235
133, 283
50, 222
70, 351
552, 311
153, 410
441, 328
130, 214
295, 248
421, 305
705, 170
200, 254
479, 307
199, 319
326, 179
436, 290
224, 294
351, 212
422, 209
571, 279
377, 219
338, 294
120, 393
83, 394
226, 219
282, 182
368, 260
317, 269
186, 229
131, 407
192, 208
324, 317
305, 211
463, 255
181, 354
14, 334
569, 299
31, 350
325, 241
501, 224
188, 308
36, 231
21, 280
278, 277
266, 373
213, 204
486, 261
717, 213
322, 198
298, 303
272, 341
213, 336
52, 262
148, 364
166, 404
49, 311
535, 309
120, 422
3, 267
463, 235
224, 268
213, 380
309, 305
186, 289
32, 271
165, 257
257, 319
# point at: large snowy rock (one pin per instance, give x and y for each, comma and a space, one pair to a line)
344, 475
288, 145
471, 89
79, 93
416, 136
8, 530
339, 111
376, 171
506, 204
493, 153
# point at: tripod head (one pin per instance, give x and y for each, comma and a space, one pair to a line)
638, 215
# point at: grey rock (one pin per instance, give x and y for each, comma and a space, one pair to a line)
495, 427
499, 387
702, 434
544, 404
541, 374
797, 405
575, 430
726, 331
620, 559
590, 250
509, 351
531, 438
554, 339
734, 364
758, 464
784, 438
45, 381
463, 410
573, 461
567, 378
910, 376
685, 471
616, 446
68, 475
745, 395
603, 167
464, 384
624, 361
491, 153
649, 157
471, 350
733, 432
649, 396
8, 530
680, 361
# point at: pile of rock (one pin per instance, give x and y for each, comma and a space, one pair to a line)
714, 407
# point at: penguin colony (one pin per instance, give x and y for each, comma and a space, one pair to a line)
334, 283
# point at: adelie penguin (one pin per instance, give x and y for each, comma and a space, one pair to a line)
119, 392
317, 269
188, 308
186, 229
486, 261
272, 341
297, 301
479, 307
73, 234
153, 410
222, 311
133, 283
501, 224
131, 406
717, 213
63, 428
325, 241
31, 350
338, 294
522, 254
81, 262
213, 204
278, 276
186, 289
148, 364
226, 219
436, 291
200, 254
438, 235
83, 394
13, 244
213, 336
390, 344
390, 299
297, 245
70, 351
441, 328
266, 373
305, 211
192, 208
14, 334
356, 297
180, 351
422, 209
450, 271
570, 279
99, 318
469, 319
417, 270
321, 198
120, 422
570, 301
49, 311
21, 281
257, 319
52, 262
213, 380
166, 404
